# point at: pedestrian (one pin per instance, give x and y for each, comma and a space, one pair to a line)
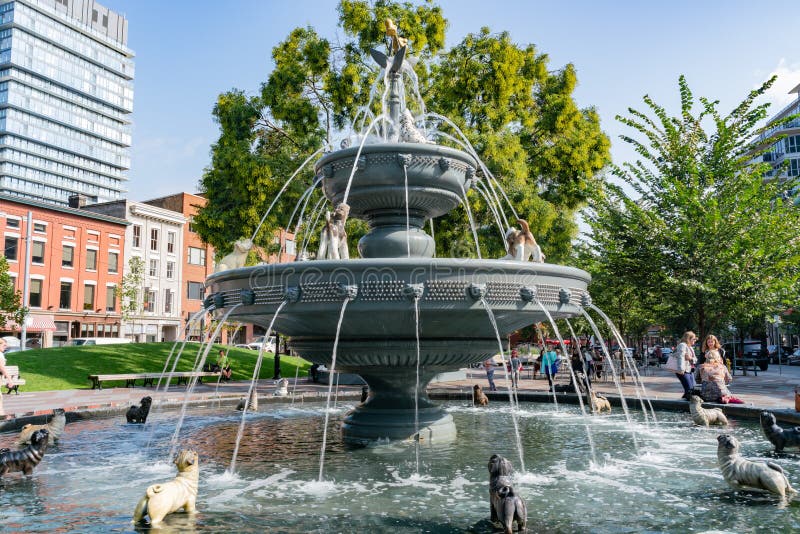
578, 365
488, 366
9, 382
549, 361
714, 375
657, 354
516, 366
681, 362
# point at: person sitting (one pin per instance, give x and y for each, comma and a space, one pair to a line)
715, 378
224, 365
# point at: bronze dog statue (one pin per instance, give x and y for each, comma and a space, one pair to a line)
162, 499
779, 437
505, 505
25, 459
138, 414
54, 428
479, 398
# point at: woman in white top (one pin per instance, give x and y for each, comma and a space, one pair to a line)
682, 361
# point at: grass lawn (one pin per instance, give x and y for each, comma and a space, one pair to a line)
68, 367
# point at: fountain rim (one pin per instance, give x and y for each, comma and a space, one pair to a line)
361, 264
400, 148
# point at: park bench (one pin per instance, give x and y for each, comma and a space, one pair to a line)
13, 372
148, 379
746, 364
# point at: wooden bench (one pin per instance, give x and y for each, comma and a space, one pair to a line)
13, 372
746, 364
148, 379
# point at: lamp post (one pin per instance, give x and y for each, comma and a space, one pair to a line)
777, 320
26, 283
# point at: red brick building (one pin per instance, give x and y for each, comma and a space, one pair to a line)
75, 268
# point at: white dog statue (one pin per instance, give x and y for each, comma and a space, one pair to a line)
522, 246
741, 473
237, 258
162, 499
705, 416
282, 388
333, 241
599, 403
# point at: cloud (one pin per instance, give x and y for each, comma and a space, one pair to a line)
788, 78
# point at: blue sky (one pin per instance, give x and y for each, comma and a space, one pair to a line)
189, 52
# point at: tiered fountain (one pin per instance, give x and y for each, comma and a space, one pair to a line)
396, 187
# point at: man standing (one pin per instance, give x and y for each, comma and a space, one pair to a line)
488, 366
516, 364
5, 374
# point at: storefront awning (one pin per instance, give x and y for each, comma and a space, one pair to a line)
35, 323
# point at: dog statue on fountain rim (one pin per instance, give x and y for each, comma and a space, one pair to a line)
162, 499
252, 406
522, 246
506, 507
333, 240
281, 388
779, 437
741, 473
599, 403
25, 459
479, 398
54, 428
705, 416
237, 258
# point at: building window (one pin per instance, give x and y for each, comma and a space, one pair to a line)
88, 297
794, 167
154, 239
290, 247
154, 268
67, 256
91, 259
113, 262
12, 223
37, 254
170, 242
195, 291
167, 301
40, 228
11, 248
792, 143
137, 236
111, 298
35, 294
65, 299
197, 256
170, 270
149, 300
191, 225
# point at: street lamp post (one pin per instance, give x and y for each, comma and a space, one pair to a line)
26, 283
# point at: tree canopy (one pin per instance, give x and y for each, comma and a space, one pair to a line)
698, 237
518, 114
11, 308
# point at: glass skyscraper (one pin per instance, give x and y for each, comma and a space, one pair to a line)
66, 95
784, 154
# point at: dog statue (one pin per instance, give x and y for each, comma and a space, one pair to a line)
281, 388
162, 499
333, 241
479, 398
780, 437
252, 406
138, 414
705, 416
599, 403
505, 505
408, 131
522, 246
54, 428
741, 473
237, 258
25, 459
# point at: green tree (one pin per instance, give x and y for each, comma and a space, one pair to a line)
698, 238
11, 308
518, 114
130, 289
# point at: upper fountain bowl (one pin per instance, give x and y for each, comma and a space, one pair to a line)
438, 177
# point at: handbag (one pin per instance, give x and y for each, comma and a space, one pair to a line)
673, 364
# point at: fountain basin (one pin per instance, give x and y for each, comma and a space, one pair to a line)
377, 339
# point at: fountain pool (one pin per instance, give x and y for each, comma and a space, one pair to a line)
93, 479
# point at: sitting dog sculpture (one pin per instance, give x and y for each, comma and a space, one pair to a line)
237, 258
505, 505
162, 499
599, 403
333, 241
25, 459
479, 398
522, 246
138, 414
705, 416
281, 388
779, 437
252, 406
54, 428
742, 473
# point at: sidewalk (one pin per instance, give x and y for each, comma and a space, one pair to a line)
773, 390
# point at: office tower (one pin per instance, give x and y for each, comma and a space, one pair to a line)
66, 95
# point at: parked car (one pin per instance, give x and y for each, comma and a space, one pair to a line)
793, 358
752, 350
665, 353
255, 344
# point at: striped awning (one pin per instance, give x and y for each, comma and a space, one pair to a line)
35, 323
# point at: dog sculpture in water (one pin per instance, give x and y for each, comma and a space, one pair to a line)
138, 414
54, 428
705, 416
505, 505
599, 403
281, 388
162, 499
25, 459
741, 473
252, 406
779, 437
479, 398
